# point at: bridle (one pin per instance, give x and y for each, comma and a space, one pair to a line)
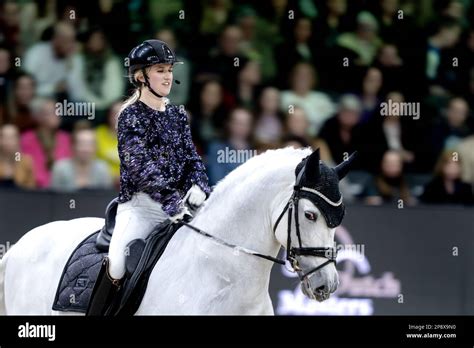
329, 253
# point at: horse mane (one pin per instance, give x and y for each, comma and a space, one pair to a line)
275, 165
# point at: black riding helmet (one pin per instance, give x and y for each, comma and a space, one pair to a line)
149, 53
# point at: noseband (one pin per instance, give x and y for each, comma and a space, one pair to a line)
329, 253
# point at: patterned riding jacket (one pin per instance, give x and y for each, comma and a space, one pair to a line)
157, 156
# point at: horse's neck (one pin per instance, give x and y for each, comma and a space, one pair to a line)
243, 219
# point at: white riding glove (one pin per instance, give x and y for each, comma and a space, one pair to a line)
180, 216
195, 197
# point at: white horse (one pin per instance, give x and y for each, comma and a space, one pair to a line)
195, 275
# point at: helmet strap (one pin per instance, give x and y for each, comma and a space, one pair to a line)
147, 84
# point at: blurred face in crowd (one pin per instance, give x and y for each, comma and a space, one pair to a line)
389, 7
388, 55
85, 145
11, 14
240, 124
337, 7
455, 9
303, 79
167, 36
303, 30
457, 112
270, 100
251, 73
9, 139
394, 97
247, 25
450, 35
24, 90
46, 115
160, 77
211, 95
230, 41
4, 61
96, 43
451, 170
297, 123
372, 81
392, 165
348, 117
64, 40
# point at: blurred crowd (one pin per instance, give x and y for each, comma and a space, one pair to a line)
392, 79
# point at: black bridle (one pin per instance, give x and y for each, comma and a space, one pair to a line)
329, 253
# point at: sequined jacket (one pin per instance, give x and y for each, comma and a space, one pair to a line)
157, 156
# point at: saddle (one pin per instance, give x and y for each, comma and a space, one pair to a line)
81, 270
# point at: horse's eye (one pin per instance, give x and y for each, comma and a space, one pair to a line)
310, 215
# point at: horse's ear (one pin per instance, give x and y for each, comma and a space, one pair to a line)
312, 167
343, 168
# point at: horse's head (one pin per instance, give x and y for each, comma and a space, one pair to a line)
314, 211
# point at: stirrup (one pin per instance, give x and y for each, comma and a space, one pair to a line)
104, 293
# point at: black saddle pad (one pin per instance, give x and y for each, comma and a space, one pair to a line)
81, 271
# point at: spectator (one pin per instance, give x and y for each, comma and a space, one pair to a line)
5, 81
237, 141
107, 143
438, 64
269, 121
317, 105
342, 132
364, 42
222, 61
16, 168
208, 114
46, 143
389, 132
391, 67
457, 125
83, 170
24, 92
446, 186
371, 90
98, 77
248, 82
298, 49
297, 126
52, 63
390, 183
10, 24
330, 24
258, 39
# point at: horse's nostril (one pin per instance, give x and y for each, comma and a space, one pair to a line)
322, 287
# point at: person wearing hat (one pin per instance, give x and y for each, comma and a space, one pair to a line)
161, 174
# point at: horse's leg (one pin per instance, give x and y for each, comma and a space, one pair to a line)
35, 264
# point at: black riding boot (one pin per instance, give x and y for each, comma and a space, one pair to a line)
103, 294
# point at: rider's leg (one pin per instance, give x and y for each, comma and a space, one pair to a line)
135, 219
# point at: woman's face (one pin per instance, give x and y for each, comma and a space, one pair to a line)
85, 145
211, 95
161, 78
9, 139
240, 124
96, 42
303, 79
392, 165
451, 170
372, 81
24, 90
297, 123
48, 117
270, 100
